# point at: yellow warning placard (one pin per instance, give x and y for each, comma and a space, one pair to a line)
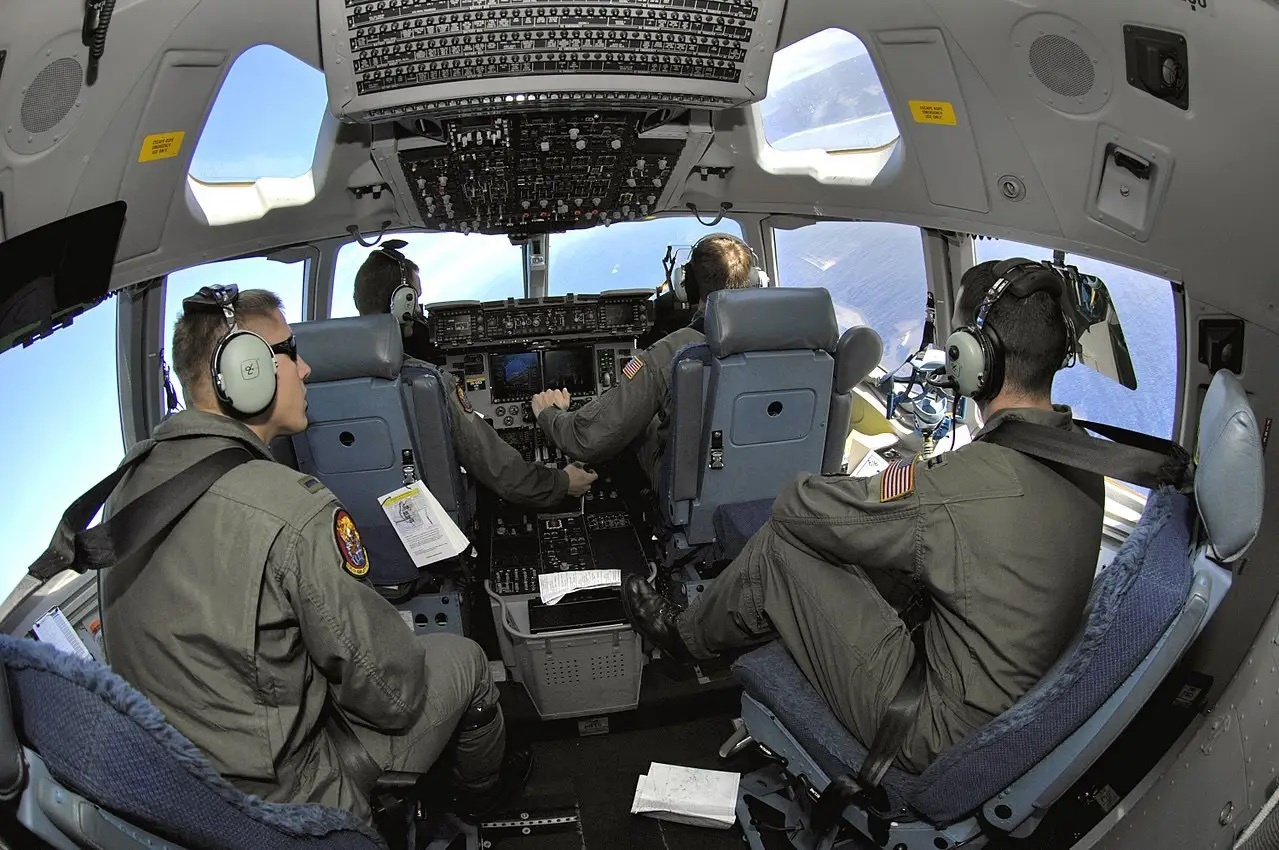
161, 146
933, 112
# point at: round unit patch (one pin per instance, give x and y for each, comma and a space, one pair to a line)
354, 558
462, 399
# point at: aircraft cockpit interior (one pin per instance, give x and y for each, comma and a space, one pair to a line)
464, 424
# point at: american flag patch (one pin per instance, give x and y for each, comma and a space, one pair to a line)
897, 480
632, 367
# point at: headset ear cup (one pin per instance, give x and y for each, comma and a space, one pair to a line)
966, 361
403, 304
680, 282
244, 373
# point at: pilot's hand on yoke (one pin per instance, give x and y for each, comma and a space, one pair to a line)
580, 479
547, 398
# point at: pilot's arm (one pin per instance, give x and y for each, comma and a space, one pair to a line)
495, 463
601, 429
375, 669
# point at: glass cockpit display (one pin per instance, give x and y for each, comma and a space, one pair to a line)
571, 369
516, 376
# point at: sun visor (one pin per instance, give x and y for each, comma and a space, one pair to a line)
54, 273
1100, 337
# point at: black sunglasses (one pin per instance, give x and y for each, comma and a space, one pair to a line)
289, 348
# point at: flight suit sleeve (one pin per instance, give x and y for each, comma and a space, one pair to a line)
600, 430
873, 523
498, 465
375, 669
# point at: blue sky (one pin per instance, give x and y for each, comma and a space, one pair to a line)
61, 418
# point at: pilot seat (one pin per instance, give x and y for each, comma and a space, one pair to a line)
367, 408
1146, 607
765, 397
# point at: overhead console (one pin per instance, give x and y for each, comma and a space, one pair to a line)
393, 59
522, 117
534, 172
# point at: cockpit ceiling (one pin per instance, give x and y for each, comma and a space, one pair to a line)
1042, 125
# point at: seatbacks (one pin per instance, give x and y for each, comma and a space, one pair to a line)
92, 740
749, 408
859, 350
1145, 610
365, 408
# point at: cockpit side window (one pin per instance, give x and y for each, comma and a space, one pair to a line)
1147, 314
627, 255
824, 94
284, 279
874, 272
60, 425
452, 267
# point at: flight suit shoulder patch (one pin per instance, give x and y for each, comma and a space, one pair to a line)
897, 481
355, 558
462, 399
632, 368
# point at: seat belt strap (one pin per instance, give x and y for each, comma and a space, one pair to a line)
136, 524
895, 724
1136, 458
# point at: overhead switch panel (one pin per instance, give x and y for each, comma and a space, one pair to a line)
536, 172
393, 59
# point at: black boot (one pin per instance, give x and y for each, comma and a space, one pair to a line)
653, 616
517, 764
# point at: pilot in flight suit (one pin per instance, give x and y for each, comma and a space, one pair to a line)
479, 448
248, 625
636, 411
1004, 545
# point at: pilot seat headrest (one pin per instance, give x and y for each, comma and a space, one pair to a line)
1229, 479
355, 347
770, 319
859, 350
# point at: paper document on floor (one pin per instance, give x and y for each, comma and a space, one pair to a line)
688, 795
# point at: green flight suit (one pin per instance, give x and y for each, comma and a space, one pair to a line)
1005, 545
635, 412
494, 462
248, 614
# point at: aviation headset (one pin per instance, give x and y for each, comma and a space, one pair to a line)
684, 283
975, 353
242, 368
404, 298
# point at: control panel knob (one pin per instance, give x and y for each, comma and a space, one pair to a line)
581, 144
616, 144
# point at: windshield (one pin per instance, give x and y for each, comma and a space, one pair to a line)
453, 267
622, 256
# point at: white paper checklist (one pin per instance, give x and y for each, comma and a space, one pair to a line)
427, 532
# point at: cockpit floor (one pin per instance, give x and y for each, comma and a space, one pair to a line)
595, 777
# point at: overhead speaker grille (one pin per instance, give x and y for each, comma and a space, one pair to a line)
51, 95
1062, 63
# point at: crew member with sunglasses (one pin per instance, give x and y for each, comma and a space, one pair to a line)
247, 624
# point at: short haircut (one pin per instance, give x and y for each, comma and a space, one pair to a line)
1032, 330
720, 262
377, 278
197, 333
